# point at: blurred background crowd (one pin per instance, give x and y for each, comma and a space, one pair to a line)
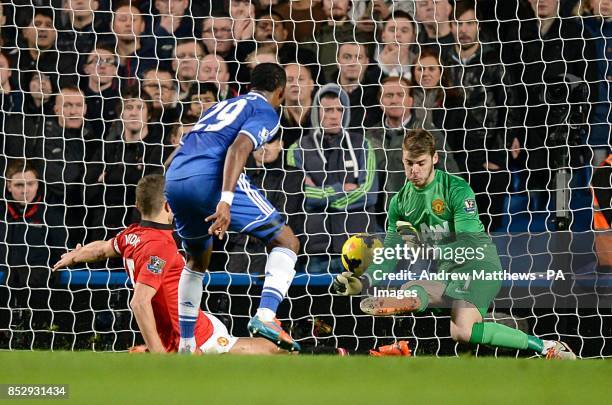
96, 94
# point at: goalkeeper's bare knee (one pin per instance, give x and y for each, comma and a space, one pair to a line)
461, 333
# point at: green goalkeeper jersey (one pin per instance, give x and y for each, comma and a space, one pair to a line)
446, 205
444, 215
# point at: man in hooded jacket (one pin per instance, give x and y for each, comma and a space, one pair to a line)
340, 183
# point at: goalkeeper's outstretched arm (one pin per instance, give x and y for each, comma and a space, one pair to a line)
92, 252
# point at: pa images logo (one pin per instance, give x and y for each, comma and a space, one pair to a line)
156, 265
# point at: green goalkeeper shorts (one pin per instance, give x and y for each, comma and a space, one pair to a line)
478, 290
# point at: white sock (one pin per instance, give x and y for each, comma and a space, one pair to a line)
189, 298
279, 274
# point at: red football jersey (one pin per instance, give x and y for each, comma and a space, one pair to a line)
150, 257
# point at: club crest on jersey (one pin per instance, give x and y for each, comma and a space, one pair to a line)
222, 341
437, 206
156, 265
469, 205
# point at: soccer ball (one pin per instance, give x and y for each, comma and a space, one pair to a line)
358, 252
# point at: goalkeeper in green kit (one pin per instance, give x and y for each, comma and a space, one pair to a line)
437, 211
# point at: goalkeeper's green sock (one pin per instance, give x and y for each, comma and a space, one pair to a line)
496, 334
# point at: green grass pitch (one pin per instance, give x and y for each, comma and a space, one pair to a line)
147, 379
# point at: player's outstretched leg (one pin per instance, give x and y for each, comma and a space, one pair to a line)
190, 297
467, 326
279, 275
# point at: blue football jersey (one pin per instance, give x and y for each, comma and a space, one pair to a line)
203, 149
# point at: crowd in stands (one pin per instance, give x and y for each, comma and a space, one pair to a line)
96, 94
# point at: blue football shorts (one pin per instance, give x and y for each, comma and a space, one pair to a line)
192, 199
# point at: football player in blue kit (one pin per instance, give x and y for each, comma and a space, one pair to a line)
209, 194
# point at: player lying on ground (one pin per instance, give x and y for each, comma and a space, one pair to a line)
432, 205
205, 182
154, 266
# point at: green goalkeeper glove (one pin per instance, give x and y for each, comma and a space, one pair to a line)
347, 284
408, 233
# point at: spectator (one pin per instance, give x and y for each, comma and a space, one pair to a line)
11, 97
271, 31
260, 55
11, 103
335, 29
433, 17
303, 15
550, 49
32, 239
597, 17
38, 105
295, 117
39, 99
161, 88
101, 90
360, 80
281, 185
218, 39
242, 13
213, 69
37, 50
438, 109
394, 53
177, 134
474, 69
7, 30
136, 51
201, 96
387, 136
264, 54
172, 23
132, 150
371, 12
173, 138
340, 180
187, 55
58, 147
80, 28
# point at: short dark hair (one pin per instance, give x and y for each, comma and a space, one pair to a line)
183, 41
462, 7
19, 166
419, 142
268, 77
133, 93
401, 14
329, 94
226, 4
150, 194
33, 12
203, 88
261, 14
117, 4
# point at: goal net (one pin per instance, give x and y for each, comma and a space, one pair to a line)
515, 93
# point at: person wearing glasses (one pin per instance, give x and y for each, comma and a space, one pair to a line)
159, 86
100, 85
